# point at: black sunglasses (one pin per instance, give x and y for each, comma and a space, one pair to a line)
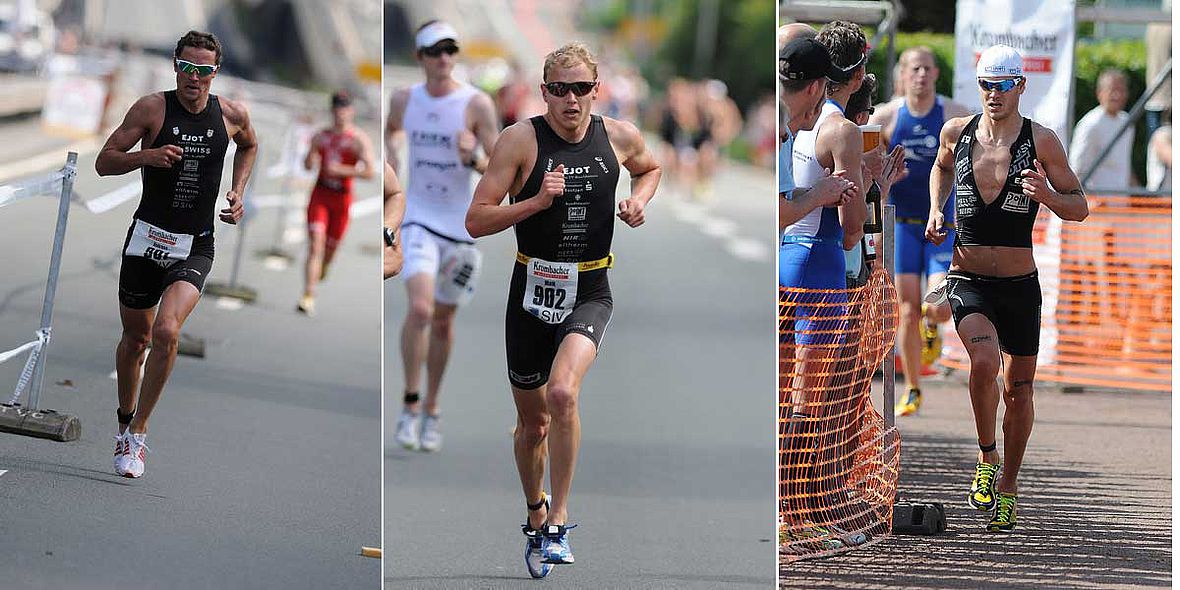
564, 88
438, 50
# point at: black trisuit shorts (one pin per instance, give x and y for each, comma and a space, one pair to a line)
142, 281
531, 343
1013, 304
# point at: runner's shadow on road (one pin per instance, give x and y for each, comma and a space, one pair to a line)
72, 471
1077, 528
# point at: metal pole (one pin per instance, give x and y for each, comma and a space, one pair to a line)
1136, 111
888, 369
706, 37
241, 246
59, 238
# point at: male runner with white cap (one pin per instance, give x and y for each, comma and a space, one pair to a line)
913, 121
442, 120
1003, 167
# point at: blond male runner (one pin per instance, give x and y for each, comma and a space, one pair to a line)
561, 170
442, 121
1004, 167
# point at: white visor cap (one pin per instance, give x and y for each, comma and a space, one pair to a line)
999, 61
433, 33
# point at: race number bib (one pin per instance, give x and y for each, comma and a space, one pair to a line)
550, 289
160, 246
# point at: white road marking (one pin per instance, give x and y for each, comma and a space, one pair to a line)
230, 303
50, 160
3, 471
114, 198
712, 225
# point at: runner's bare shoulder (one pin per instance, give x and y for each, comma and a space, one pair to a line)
147, 108
516, 141
953, 128
234, 111
623, 134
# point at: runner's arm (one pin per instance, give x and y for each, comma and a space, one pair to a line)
313, 153
394, 134
486, 216
247, 141
115, 159
846, 147
942, 173
640, 163
1063, 193
363, 168
395, 209
485, 127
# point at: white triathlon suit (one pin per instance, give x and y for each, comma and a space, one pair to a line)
438, 194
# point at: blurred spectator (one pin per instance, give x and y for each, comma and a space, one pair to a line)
1159, 156
512, 97
1097, 128
859, 105
760, 131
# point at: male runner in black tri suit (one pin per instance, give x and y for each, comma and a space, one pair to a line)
168, 251
1004, 167
561, 169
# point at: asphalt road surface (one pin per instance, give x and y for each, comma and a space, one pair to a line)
675, 481
1095, 507
264, 468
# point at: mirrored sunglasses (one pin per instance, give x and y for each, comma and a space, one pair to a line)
438, 50
564, 88
202, 70
1001, 86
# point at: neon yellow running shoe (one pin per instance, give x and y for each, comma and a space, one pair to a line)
931, 339
909, 403
1004, 519
983, 488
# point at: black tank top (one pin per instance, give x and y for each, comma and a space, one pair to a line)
181, 199
578, 227
1006, 221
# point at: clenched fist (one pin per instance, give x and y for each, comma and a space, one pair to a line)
162, 157
552, 185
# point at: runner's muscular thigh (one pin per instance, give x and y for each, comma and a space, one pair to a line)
991, 164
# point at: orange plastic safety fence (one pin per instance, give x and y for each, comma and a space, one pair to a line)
1107, 318
838, 462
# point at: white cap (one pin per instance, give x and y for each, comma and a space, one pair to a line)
433, 33
999, 61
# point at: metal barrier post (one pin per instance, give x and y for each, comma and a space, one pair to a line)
233, 290
31, 420
59, 238
888, 369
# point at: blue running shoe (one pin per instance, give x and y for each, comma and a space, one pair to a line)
556, 546
532, 553
534, 540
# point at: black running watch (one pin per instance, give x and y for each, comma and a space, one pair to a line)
390, 238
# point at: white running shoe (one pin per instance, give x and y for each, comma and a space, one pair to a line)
136, 452
431, 437
121, 453
407, 430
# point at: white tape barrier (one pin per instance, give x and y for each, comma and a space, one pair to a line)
114, 198
33, 187
26, 373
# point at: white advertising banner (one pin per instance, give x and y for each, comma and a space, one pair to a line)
1042, 31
